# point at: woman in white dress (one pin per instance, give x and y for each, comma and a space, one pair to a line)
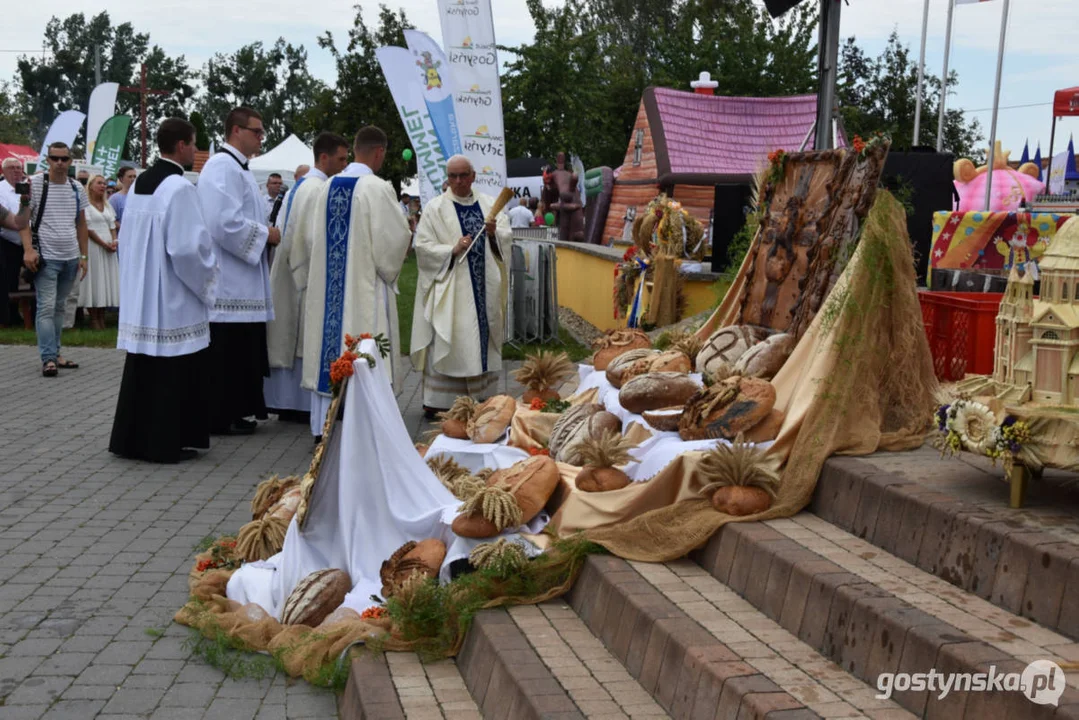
101, 287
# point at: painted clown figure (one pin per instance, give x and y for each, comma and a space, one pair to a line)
1017, 253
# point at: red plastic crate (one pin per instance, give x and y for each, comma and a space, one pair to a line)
961, 329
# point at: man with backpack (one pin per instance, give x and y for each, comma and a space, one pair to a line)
54, 250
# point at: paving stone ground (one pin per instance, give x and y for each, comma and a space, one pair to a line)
95, 550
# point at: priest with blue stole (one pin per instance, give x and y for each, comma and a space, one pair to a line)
360, 240
288, 280
168, 284
235, 215
458, 324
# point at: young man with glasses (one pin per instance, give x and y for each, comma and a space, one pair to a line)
60, 255
235, 216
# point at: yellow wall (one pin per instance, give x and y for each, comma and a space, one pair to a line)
586, 286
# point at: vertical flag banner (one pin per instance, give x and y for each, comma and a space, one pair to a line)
63, 129
432, 71
110, 144
102, 106
407, 94
468, 33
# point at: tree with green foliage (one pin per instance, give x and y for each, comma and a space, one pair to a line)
202, 138
64, 78
578, 85
16, 125
362, 96
275, 81
879, 94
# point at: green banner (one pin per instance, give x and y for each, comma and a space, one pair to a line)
110, 144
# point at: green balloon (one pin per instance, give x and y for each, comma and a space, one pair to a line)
406, 154
549, 218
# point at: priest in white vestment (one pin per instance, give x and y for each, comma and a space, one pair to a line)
168, 284
282, 390
360, 243
235, 215
458, 324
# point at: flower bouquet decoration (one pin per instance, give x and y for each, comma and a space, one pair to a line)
970, 426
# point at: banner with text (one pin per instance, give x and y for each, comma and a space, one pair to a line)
110, 144
64, 129
407, 94
432, 73
102, 106
468, 34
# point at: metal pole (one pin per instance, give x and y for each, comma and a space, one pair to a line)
944, 77
921, 76
1052, 138
828, 60
996, 106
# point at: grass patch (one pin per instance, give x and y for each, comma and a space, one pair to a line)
230, 655
406, 300
571, 347
76, 337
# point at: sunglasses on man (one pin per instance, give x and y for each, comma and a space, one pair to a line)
60, 158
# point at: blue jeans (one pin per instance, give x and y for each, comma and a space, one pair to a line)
52, 286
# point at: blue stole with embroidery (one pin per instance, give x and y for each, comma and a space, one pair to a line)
291, 197
471, 219
338, 220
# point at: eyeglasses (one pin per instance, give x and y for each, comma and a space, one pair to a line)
458, 176
260, 132
60, 158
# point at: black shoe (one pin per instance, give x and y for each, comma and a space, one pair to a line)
301, 417
430, 413
318, 439
240, 427
262, 415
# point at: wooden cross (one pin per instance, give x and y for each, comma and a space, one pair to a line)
143, 91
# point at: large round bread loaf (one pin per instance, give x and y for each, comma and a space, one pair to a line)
727, 408
540, 477
315, 597
667, 361
424, 557
664, 419
570, 426
620, 365
286, 506
767, 429
727, 345
491, 419
616, 342
653, 391
594, 426
765, 359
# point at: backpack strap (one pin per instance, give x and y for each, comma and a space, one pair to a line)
78, 199
35, 242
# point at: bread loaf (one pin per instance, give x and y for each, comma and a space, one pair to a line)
727, 345
668, 361
454, 428
601, 479
618, 367
491, 419
727, 408
616, 342
315, 597
664, 419
537, 476
765, 359
583, 426
286, 506
569, 426
657, 390
424, 557
767, 429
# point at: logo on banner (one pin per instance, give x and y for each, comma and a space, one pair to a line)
475, 97
430, 67
464, 8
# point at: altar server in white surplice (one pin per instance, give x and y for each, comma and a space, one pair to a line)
168, 282
458, 326
235, 214
284, 334
360, 242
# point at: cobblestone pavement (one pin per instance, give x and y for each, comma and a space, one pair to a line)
96, 550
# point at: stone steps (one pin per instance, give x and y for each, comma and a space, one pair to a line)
871, 612
994, 553
396, 686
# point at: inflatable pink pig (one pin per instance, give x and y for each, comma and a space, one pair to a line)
1010, 187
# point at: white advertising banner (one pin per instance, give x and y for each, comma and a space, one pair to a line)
102, 106
525, 187
468, 36
64, 129
401, 76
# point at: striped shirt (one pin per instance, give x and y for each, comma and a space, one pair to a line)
57, 231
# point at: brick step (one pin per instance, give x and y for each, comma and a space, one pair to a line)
398, 686
687, 669
996, 553
871, 613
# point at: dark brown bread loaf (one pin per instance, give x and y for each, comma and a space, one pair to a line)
657, 390
315, 597
727, 408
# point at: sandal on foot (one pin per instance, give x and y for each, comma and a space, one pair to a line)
67, 365
49, 369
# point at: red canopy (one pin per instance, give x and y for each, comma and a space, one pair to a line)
1066, 102
22, 152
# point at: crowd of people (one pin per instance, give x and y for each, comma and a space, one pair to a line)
234, 302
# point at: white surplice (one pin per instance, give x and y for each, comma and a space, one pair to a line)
283, 389
168, 272
360, 240
445, 324
374, 493
235, 215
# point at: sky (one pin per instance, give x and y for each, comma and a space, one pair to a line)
1041, 54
